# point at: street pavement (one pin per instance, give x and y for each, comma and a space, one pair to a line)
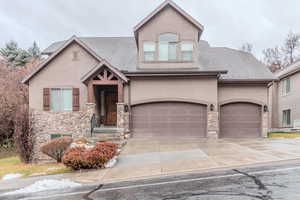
262, 182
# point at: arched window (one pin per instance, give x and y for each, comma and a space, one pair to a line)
168, 46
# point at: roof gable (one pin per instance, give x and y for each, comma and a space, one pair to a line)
102, 64
57, 52
159, 9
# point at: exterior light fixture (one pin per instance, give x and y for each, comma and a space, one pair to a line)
126, 108
266, 109
211, 107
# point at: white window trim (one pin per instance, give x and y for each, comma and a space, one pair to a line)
181, 51
61, 88
285, 124
154, 52
283, 89
177, 42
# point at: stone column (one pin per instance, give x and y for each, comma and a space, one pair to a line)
265, 122
121, 117
212, 124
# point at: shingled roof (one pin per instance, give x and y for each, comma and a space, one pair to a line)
121, 52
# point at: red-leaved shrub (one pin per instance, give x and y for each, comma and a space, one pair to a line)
56, 147
96, 157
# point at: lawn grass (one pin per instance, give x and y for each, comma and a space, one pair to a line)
283, 135
14, 165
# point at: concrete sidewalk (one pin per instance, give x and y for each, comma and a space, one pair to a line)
146, 158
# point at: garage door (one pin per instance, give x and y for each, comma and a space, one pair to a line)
240, 120
169, 119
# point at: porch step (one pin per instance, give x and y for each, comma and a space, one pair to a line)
111, 134
107, 130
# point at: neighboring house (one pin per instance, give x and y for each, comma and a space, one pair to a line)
286, 98
164, 82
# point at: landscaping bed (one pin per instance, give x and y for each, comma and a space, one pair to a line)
284, 134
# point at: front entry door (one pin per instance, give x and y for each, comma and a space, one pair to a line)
111, 99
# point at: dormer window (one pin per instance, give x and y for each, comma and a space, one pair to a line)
168, 46
149, 51
187, 51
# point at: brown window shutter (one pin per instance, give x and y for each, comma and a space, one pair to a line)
46, 99
76, 103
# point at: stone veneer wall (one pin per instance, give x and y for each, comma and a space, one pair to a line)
122, 119
212, 124
74, 123
265, 124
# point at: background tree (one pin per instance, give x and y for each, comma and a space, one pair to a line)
291, 47
16, 56
34, 51
273, 56
247, 47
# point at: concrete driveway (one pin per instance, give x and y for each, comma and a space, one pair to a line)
153, 157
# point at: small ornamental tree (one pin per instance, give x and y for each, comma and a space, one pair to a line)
23, 134
56, 147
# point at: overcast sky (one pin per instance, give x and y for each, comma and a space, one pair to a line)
230, 23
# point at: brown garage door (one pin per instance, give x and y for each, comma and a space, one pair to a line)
169, 119
240, 120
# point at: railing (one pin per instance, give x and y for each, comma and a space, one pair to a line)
93, 123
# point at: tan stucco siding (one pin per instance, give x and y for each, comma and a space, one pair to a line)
291, 100
255, 94
62, 71
168, 21
201, 90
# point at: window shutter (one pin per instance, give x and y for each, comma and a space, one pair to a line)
46, 99
76, 103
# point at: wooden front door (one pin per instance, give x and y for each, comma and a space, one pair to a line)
111, 99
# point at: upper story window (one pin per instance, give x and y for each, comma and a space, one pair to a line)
168, 46
61, 99
286, 86
187, 51
149, 51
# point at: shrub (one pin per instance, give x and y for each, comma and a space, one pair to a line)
81, 158
23, 134
56, 147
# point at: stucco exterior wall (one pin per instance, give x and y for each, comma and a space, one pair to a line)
252, 93
290, 101
168, 21
201, 90
62, 71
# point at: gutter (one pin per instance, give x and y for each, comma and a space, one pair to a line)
172, 73
246, 80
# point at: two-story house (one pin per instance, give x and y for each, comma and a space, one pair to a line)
163, 82
286, 99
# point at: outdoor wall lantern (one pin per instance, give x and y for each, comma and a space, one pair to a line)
266, 108
211, 107
126, 108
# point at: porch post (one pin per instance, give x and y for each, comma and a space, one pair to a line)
120, 92
90, 92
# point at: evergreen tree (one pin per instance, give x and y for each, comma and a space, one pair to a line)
34, 51
15, 56
10, 51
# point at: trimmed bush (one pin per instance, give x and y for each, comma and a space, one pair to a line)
81, 158
56, 147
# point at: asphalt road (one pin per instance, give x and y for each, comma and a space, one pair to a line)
270, 182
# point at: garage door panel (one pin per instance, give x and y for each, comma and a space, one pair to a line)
240, 120
169, 119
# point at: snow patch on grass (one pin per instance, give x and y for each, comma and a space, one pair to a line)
46, 184
11, 176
